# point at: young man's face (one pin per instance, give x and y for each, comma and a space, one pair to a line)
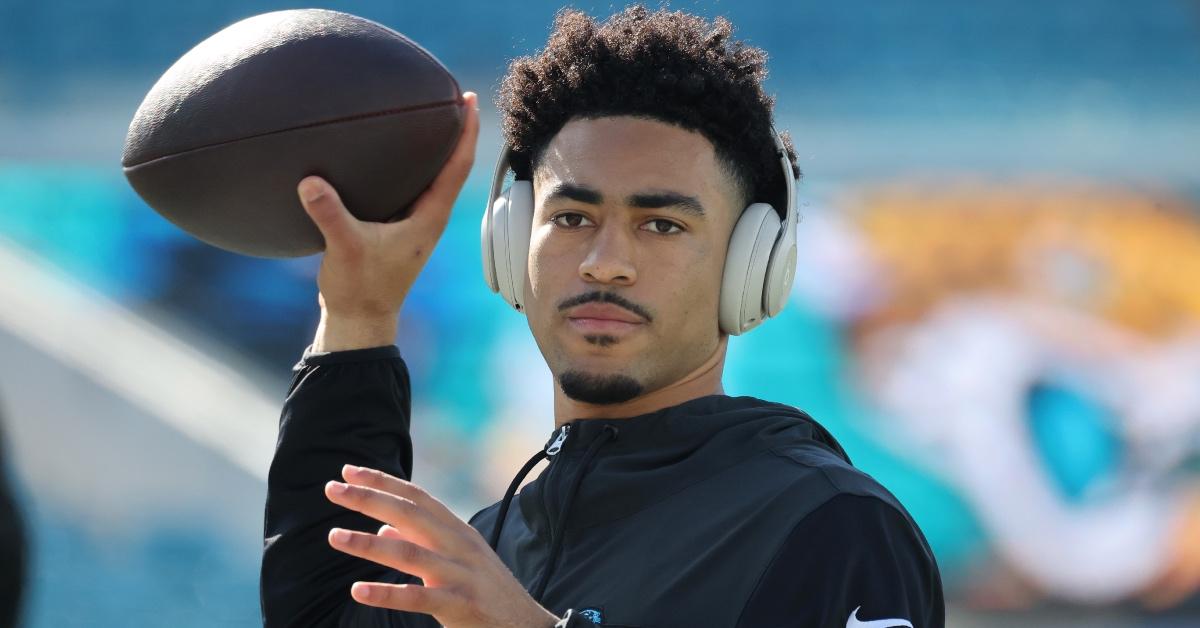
632, 219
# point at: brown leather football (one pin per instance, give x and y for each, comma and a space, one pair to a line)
223, 138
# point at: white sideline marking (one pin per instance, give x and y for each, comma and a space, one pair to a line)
197, 393
169, 379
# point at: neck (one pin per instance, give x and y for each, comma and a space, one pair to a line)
704, 380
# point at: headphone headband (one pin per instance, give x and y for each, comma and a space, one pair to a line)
789, 181
502, 168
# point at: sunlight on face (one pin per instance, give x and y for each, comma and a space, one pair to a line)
630, 228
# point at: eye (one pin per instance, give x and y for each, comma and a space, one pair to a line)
570, 220
662, 226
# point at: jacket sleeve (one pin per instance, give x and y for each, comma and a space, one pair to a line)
854, 561
343, 407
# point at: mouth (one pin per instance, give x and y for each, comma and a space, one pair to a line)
603, 318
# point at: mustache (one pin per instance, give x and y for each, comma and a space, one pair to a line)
606, 297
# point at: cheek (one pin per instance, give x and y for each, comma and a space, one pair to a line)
537, 293
539, 266
697, 292
552, 263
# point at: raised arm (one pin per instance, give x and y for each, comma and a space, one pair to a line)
348, 407
349, 401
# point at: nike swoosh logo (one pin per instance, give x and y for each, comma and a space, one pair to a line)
854, 622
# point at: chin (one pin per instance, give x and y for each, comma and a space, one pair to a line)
599, 388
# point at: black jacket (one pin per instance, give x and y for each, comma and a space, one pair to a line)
717, 512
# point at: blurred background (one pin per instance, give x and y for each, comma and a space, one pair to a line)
997, 310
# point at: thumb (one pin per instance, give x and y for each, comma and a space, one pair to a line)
322, 203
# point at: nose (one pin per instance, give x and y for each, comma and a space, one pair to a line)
610, 258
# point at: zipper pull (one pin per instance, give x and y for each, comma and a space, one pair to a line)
556, 444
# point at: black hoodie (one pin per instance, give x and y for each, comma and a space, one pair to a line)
720, 511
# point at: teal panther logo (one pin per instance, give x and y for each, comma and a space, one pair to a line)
593, 614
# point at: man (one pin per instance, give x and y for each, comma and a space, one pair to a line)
665, 503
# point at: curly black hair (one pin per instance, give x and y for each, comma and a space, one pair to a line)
664, 65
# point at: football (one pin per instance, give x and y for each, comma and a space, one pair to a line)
222, 139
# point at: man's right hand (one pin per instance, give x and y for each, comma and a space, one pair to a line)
368, 267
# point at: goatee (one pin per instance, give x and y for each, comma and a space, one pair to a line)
599, 389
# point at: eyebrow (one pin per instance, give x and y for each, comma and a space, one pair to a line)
655, 200
644, 200
577, 193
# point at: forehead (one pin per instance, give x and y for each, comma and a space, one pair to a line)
627, 154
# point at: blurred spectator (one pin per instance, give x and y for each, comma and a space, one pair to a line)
12, 548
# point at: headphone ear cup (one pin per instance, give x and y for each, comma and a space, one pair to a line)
780, 274
515, 226
745, 274
487, 249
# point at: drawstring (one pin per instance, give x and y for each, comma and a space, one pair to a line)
610, 433
556, 536
508, 496
553, 446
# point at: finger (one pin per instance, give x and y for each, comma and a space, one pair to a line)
405, 597
412, 521
399, 554
433, 206
322, 203
373, 478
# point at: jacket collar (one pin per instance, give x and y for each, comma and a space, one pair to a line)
657, 454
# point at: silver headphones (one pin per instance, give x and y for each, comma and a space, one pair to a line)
759, 266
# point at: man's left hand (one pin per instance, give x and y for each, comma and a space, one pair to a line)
465, 583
